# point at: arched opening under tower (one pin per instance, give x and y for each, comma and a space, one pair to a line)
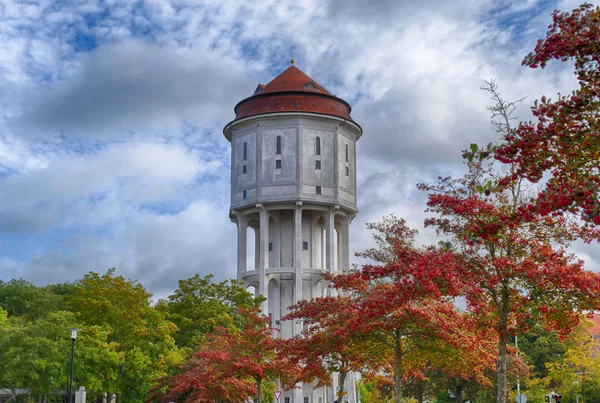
336, 249
252, 289
251, 246
273, 297
319, 245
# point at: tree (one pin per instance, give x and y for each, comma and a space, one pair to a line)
35, 355
541, 346
199, 305
405, 301
514, 269
579, 371
563, 144
229, 365
143, 334
456, 368
21, 298
325, 346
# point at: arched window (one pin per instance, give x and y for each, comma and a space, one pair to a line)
278, 145
318, 145
346, 152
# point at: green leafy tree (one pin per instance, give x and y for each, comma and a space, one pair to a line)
579, 371
143, 334
21, 298
541, 346
36, 355
199, 305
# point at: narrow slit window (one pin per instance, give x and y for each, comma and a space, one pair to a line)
270, 246
318, 190
244, 194
347, 171
244, 169
245, 151
346, 152
278, 145
318, 145
277, 164
304, 245
318, 164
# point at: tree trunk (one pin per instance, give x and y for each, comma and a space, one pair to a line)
501, 387
340, 398
398, 369
583, 386
258, 390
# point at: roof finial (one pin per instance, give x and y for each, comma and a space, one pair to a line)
293, 61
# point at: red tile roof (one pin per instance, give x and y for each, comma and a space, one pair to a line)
292, 91
293, 79
595, 330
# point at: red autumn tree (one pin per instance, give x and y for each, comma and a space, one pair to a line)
404, 302
230, 365
325, 346
564, 144
514, 268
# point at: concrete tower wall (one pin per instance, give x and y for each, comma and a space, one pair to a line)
312, 152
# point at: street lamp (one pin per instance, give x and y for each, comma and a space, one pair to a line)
74, 331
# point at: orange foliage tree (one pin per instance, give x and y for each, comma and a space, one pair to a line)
230, 365
514, 269
395, 310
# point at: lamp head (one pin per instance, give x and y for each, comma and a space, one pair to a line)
74, 331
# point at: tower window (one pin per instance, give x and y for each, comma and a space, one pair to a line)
346, 152
278, 145
305, 399
318, 190
277, 164
244, 170
347, 171
304, 245
244, 194
318, 164
318, 145
286, 399
245, 151
270, 246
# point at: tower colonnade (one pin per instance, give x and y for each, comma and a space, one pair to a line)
319, 238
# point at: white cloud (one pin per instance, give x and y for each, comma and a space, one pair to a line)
111, 151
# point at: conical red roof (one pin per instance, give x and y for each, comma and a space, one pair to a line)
292, 91
293, 79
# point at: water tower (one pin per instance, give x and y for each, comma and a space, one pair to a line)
293, 195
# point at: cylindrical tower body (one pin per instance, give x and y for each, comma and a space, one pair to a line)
293, 195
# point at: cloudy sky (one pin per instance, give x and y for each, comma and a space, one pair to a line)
111, 116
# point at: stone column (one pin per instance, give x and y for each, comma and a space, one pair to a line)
263, 250
329, 240
297, 260
242, 252
344, 252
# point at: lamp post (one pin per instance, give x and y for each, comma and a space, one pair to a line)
74, 331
